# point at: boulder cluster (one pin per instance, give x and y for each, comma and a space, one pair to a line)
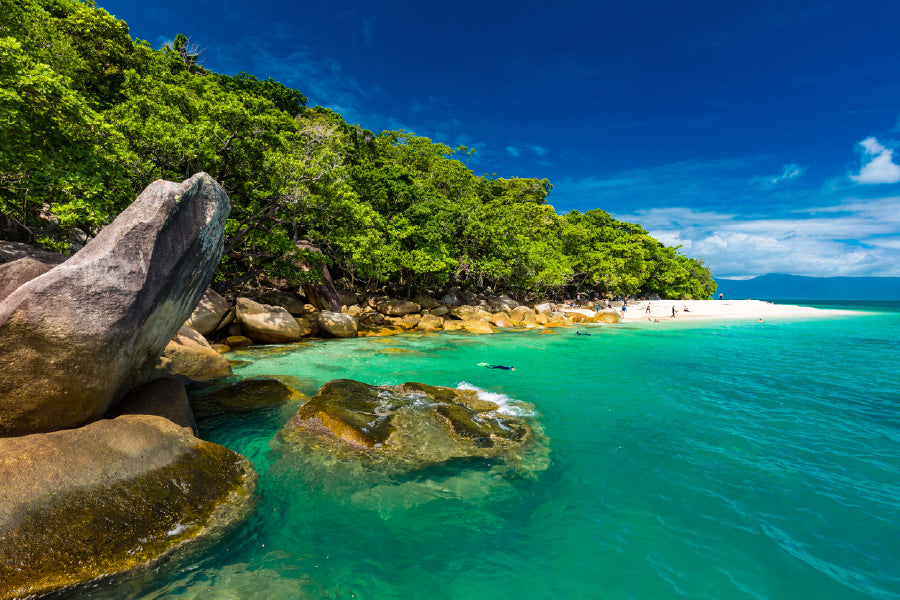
285, 317
406, 427
101, 470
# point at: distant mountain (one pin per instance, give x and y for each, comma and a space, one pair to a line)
785, 287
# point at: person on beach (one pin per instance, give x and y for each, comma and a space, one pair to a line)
648, 308
673, 312
685, 309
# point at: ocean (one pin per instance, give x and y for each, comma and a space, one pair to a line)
714, 459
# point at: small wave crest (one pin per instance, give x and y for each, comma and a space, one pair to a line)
508, 406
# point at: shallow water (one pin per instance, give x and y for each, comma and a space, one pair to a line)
695, 460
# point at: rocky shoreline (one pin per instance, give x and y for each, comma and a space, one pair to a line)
101, 469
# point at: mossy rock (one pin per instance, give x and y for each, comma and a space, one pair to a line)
246, 395
406, 427
114, 495
238, 341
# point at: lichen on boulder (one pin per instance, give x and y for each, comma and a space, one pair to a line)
111, 496
76, 339
408, 427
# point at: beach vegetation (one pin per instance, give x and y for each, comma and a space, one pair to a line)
90, 117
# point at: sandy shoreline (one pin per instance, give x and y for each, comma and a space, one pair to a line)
718, 309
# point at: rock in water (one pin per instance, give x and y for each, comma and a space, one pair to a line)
110, 496
189, 358
337, 325
408, 426
78, 338
267, 324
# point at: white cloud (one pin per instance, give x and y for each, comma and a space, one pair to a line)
513, 151
539, 151
881, 167
856, 238
790, 171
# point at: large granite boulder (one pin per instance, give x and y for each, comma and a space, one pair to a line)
394, 307
401, 323
463, 311
189, 358
14, 274
502, 303
477, 325
543, 308
440, 311
408, 426
425, 301
522, 316
520, 313
337, 325
267, 324
85, 503
210, 314
500, 319
430, 323
78, 338
290, 302
10, 251
452, 298
606, 316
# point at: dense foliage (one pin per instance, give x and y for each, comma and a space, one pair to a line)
89, 117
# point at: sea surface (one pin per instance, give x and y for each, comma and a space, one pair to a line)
710, 459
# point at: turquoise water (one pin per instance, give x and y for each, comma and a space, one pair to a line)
683, 460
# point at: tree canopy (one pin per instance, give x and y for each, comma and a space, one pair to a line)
89, 117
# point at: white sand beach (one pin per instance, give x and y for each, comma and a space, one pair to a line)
718, 309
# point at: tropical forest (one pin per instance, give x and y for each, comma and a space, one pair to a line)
89, 117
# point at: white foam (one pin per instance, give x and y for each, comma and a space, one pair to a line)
508, 406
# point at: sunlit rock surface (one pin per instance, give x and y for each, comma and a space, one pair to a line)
117, 494
408, 426
76, 339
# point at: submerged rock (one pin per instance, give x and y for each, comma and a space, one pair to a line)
113, 495
78, 338
408, 426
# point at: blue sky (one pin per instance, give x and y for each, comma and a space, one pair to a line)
760, 136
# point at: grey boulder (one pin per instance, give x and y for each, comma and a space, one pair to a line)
78, 338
